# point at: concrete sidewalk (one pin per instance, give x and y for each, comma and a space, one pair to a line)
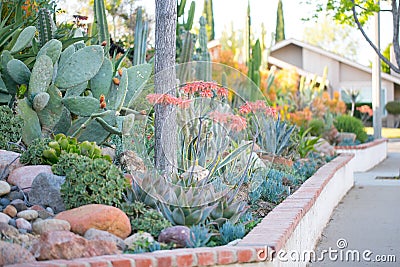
367, 220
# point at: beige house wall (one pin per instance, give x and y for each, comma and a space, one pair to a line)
315, 63
291, 54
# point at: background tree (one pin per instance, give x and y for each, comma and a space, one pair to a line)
280, 24
356, 13
165, 82
208, 14
333, 37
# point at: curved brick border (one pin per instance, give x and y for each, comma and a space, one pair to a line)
272, 232
366, 155
365, 145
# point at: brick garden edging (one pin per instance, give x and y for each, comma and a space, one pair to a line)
366, 155
295, 224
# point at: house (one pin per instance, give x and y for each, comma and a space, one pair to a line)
342, 72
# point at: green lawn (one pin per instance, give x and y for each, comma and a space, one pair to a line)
386, 132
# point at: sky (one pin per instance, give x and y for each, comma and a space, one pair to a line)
264, 11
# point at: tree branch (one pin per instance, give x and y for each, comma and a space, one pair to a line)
384, 59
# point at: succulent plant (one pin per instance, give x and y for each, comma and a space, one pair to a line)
199, 236
230, 232
10, 126
33, 155
90, 181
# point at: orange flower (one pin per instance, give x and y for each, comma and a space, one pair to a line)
234, 122
366, 110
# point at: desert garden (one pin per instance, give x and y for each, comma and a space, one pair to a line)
163, 160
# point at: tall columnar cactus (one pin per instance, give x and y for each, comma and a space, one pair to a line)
204, 68
255, 63
141, 32
209, 15
188, 43
280, 24
46, 26
101, 24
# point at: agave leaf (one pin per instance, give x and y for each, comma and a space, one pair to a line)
234, 155
178, 216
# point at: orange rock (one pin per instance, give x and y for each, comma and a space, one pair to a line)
101, 217
66, 245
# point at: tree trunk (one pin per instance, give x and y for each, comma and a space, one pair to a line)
165, 82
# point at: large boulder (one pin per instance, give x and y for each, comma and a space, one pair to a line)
66, 245
101, 217
24, 176
13, 254
45, 191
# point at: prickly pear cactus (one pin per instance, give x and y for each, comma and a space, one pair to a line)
31, 129
42, 74
18, 71
81, 66
100, 83
52, 49
40, 101
24, 39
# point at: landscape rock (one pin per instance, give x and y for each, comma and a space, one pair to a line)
12, 222
132, 162
4, 217
44, 214
45, 191
178, 235
5, 188
43, 226
67, 245
6, 158
323, 147
28, 215
4, 202
15, 195
101, 217
23, 224
37, 208
19, 204
95, 234
14, 254
11, 211
130, 241
8, 231
24, 176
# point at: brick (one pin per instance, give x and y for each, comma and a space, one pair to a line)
226, 256
164, 261
185, 260
246, 255
140, 260
122, 263
205, 258
78, 264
